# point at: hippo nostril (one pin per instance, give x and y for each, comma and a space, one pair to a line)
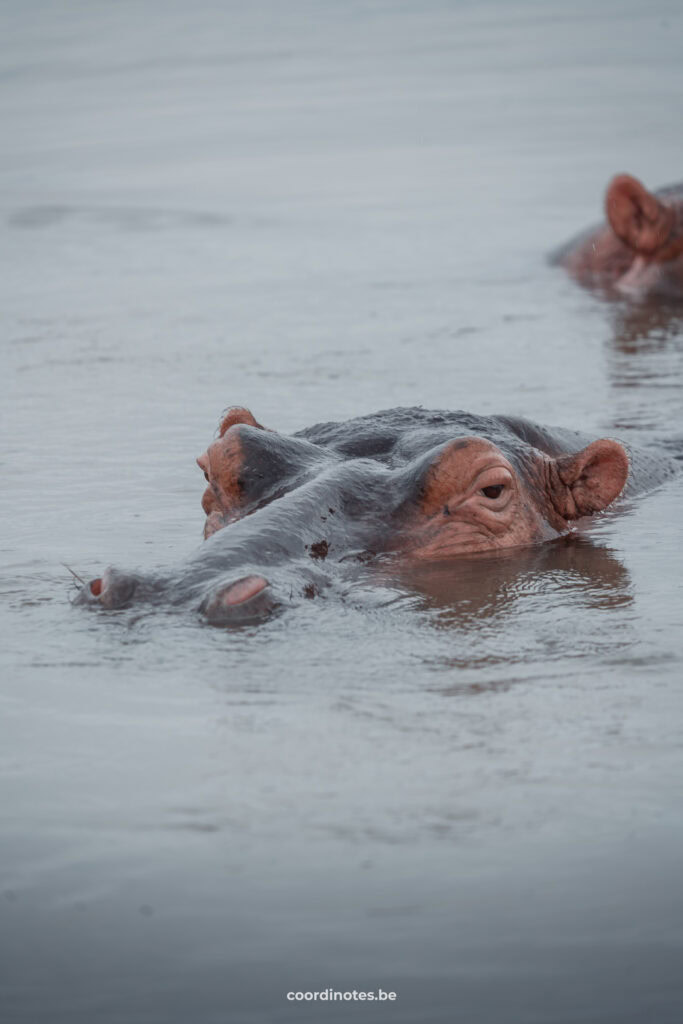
112, 590
244, 590
90, 593
247, 600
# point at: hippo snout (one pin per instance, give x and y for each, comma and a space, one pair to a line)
111, 590
240, 603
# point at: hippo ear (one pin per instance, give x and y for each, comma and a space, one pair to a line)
236, 414
636, 216
590, 480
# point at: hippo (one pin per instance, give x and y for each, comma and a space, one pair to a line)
406, 486
638, 253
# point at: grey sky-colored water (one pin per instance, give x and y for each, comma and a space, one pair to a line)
468, 792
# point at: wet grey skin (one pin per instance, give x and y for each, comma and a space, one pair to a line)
330, 498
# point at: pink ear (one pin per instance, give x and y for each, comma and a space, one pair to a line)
236, 414
636, 216
591, 479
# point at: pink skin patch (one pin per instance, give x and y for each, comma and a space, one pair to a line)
214, 522
640, 276
96, 587
244, 590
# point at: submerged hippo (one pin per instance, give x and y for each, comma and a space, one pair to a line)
639, 251
404, 485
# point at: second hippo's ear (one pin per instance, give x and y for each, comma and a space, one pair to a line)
636, 216
589, 480
236, 414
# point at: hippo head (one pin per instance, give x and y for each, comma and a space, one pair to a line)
651, 228
404, 487
416, 489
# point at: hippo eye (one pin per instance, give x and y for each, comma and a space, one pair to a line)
494, 491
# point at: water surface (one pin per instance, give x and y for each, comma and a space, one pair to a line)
461, 784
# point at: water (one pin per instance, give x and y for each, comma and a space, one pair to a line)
466, 790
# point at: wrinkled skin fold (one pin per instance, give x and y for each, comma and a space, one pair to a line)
283, 514
638, 252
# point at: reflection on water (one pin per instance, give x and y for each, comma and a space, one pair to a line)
496, 618
645, 367
489, 586
645, 326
